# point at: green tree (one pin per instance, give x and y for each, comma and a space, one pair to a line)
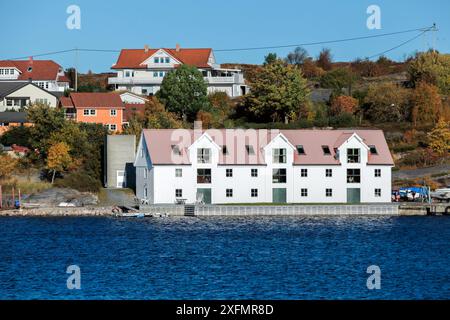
45, 121
433, 68
270, 58
184, 92
338, 79
278, 93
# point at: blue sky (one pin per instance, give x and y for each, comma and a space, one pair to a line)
41, 27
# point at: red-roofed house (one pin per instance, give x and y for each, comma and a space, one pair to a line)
257, 166
46, 74
95, 107
141, 71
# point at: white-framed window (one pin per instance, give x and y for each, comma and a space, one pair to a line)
377, 192
112, 127
328, 192
279, 155
328, 173
229, 193
377, 173
113, 112
304, 192
203, 155
254, 193
178, 173
41, 101
9, 102
86, 112
178, 193
254, 173
145, 173
167, 60
303, 173
2, 71
155, 74
156, 59
161, 74
229, 173
92, 112
353, 155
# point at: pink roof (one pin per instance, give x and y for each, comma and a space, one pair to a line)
92, 100
133, 58
159, 143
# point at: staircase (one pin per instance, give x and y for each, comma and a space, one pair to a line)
189, 210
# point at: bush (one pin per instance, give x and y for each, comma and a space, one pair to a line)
79, 181
345, 119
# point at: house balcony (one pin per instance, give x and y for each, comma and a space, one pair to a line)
234, 79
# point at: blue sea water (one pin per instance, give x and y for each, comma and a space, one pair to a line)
225, 258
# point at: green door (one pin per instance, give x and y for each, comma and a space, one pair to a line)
279, 195
204, 196
353, 195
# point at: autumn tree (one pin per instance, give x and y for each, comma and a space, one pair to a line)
325, 59
58, 158
338, 79
439, 138
342, 104
310, 70
278, 93
157, 117
184, 92
426, 104
7, 166
386, 102
433, 68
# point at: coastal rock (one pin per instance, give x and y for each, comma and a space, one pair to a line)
54, 196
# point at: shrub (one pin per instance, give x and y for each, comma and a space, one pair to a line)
79, 181
345, 119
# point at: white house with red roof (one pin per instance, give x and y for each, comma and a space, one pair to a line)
263, 166
141, 71
46, 74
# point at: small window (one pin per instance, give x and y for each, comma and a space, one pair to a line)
86, 112
373, 149
203, 175
304, 173
178, 193
328, 173
353, 175
112, 127
300, 149
229, 193
167, 59
178, 173
279, 155
224, 150
254, 193
377, 193
9, 102
176, 150
30, 69
92, 112
203, 155
156, 59
304, 192
254, 172
145, 173
353, 155
113, 112
279, 176
328, 193
229, 173
377, 173
249, 149
155, 74
161, 74
326, 150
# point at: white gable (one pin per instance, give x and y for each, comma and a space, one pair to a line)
161, 53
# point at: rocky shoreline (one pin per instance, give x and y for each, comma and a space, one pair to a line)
60, 212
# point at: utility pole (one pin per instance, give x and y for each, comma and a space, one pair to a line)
76, 69
434, 29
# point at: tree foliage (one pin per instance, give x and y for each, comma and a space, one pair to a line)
439, 138
342, 104
270, 58
338, 79
433, 68
426, 104
184, 92
7, 166
325, 60
386, 102
297, 57
279, 92
58, 158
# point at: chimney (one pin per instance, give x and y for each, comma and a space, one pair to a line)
146, 47
30, 59
177, 49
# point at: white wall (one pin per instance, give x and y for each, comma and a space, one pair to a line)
31, 92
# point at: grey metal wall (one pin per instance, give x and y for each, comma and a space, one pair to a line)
120, 152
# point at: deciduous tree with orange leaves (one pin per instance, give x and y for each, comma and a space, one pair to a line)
426, 104
58, 158
341, 104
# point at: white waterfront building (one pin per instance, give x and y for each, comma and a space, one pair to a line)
260, 166
141, 71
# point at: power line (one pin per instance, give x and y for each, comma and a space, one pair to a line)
422, 31
324, 42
